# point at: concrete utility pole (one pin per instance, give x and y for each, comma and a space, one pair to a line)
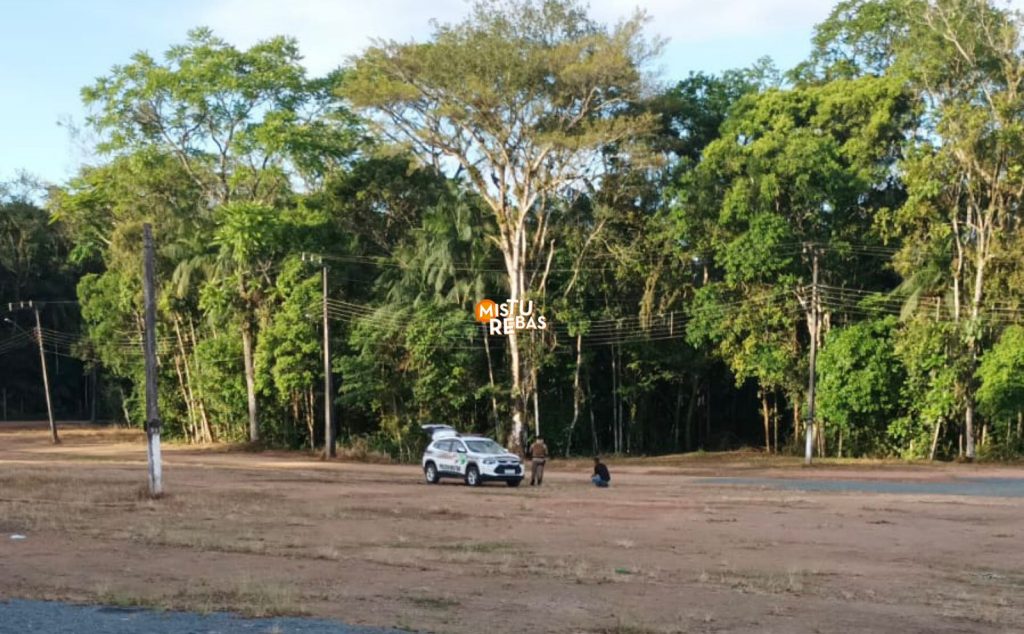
814, 324
156, 487
329, 435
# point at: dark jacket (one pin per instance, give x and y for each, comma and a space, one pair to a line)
602, 471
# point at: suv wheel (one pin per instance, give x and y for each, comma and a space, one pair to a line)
472, 476
430, 473
513, 483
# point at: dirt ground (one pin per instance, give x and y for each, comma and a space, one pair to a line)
662, 550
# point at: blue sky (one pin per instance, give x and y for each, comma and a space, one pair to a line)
49, 49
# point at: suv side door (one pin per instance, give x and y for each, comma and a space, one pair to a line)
441, 455
460, 456
436, 453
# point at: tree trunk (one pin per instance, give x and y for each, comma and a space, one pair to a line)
196, 415
250, 381
512, 226
518, 397
595, 446
203, 416
620, 402
980, 261
676, 416
691, 410
615, 403
311, 416
969, 426
92, 401
935, 440
577, 394
704, 442
124, 408
775, 421
796, 421
192, 430
536, 399
765, 418
631, 425
297, 414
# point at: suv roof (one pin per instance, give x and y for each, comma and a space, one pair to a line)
439, 431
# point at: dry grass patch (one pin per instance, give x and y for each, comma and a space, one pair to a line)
625, 627
253, 598
434, 603
793, 581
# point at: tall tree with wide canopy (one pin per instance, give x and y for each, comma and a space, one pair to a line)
245, 125
793, 167
524, 98
964, 62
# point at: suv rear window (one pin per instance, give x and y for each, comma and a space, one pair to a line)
443, 445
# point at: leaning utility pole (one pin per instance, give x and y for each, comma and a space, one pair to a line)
46, 376
329, 436
814, 321
149, 343
35, 306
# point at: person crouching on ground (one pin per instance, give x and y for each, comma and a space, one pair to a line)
601, 476
538, 456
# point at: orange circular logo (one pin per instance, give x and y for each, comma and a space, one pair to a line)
485, 311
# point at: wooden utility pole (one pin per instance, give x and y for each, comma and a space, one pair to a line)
149, 343
34, 306
46, 377
814, 322
329, 436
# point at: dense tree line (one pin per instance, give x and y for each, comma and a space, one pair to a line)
666, 232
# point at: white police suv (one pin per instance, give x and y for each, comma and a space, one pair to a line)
475, 459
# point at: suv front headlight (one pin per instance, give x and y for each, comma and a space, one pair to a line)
490, 461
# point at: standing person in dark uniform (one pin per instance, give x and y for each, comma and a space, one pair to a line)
601, 476
538, 456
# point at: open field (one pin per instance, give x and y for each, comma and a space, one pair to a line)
674, 545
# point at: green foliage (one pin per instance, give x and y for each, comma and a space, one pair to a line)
221, 380
238, 121
930, 393
859, 383
414, 364
1001, 373
668, 232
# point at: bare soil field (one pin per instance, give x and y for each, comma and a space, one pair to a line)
672, 546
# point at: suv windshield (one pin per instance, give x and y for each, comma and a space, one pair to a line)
484, 446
